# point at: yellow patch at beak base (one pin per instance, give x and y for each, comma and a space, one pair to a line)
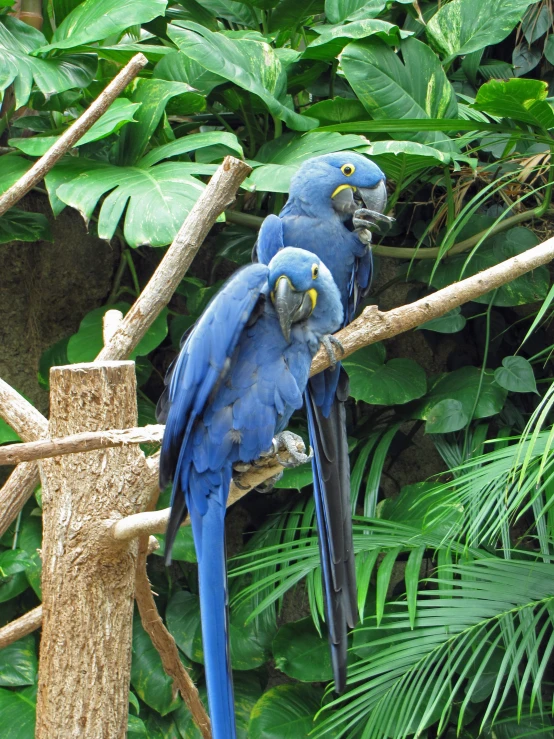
313, 296
340, 188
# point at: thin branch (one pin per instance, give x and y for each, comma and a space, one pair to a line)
155, 522
375, 325
70, 137
411, 252
165, 645
21, 627
84, 442
23, 417
110, 324
219, 193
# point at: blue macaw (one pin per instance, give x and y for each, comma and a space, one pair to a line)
240, 374
333, 201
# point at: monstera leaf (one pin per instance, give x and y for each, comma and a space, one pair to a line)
53, 75
155, 198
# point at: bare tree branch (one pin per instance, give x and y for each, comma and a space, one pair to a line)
70, 137
165, 645
219, 193
21, 627
375, 325
16, 491
23, 417
155, 522
85, 442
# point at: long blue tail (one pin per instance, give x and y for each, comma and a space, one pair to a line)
331, 470
212, 572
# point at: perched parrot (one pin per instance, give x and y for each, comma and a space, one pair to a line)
333, 201
240, 374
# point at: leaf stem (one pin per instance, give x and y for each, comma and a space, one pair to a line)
132, 270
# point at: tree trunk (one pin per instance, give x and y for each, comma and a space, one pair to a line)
88, 581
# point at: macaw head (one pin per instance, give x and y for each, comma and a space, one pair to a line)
301, 289
344, 181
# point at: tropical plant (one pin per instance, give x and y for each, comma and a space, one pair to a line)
451, 436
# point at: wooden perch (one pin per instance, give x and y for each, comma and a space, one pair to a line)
84, 442
70, 137
21, 627
23, 417
375, 325
219, 193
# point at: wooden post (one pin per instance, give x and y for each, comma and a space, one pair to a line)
87, 581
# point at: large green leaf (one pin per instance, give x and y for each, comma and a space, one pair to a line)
11, 169
333, 39
17, 41
282, 157
7, 434
183, 549
13, 579
249, 642
519, 99
20, 225
301, 652
154, 200
178, 67
392, 383
401, 159
285, 712
86, 344
388, 88
337, 110
246, 689
339, 10
464, 386
252, 65
148, 677
153, 96
528, 288
289, 14
463, 26
120, 112
18, 663
95, 20
516, 375
17, 713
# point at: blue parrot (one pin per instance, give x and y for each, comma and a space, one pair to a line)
240, 374
333, 201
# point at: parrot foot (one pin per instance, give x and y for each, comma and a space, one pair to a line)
295, 448
363, 218
329, 343
267, 485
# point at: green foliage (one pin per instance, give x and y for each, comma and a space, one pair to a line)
452, 100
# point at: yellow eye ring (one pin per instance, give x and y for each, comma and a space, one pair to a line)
315, 271
348, 169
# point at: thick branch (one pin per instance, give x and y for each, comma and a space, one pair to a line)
21, 627
375, 325
165, 645
85, 442
24, 418
155, 522
219, 193
70, 137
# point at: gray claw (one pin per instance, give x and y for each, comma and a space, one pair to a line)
267, 485
291, 442
329, 342
364, 217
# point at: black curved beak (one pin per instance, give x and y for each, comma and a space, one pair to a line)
291, 306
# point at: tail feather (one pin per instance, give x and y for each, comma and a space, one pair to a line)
214, 608
334, 522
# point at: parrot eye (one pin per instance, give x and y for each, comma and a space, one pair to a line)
348, 169
315, 271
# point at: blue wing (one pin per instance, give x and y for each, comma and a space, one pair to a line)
270, 240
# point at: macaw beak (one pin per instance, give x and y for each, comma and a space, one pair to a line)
291, 306
374, 198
